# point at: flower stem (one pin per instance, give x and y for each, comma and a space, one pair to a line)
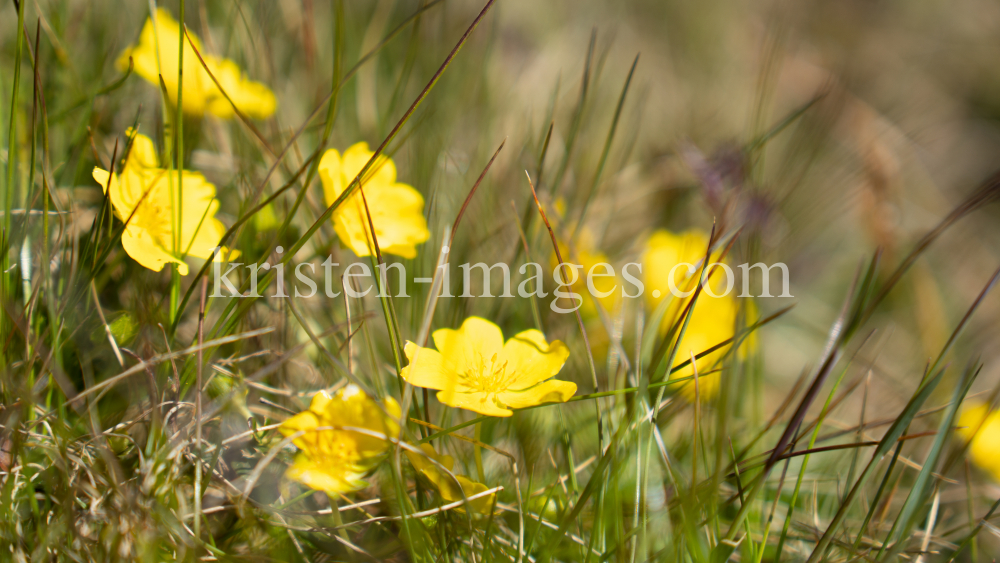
477, 452
175, 292
338, 522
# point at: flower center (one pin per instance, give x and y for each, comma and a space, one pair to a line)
489, 378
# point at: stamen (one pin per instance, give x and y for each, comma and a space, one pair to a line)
490, 380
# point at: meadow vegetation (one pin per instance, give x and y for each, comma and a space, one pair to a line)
144, 416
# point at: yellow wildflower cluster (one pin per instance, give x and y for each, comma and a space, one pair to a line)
164, 223
156, 56
342, 437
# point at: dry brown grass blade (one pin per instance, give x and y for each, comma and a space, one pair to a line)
243, 117
472, 192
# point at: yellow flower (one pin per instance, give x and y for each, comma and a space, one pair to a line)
396, 209
335, 460
144, 196
713, 319
450, 490
200, 93
474, 369
983, 427
664, 250
608, 296
586, 254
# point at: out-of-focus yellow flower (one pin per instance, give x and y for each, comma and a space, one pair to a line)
584, 251
450, 490
474, 369
200, 92
608, 296
665, 250
983, 427
713, 319
333, 459
397, 210
609, 287
144, 196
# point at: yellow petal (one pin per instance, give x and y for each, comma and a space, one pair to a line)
331, 175
322, 475
481, 505
206, 240
348, 430
306, 422
426, 368
253, 98
142, 152
350, 222
140, 181
390, 200
129, 190
985, 452
101, 176
401, 250
341, 171
530, 359
226, 253
751, 340
397, 214
451, 487
423, 464
551, 391
665, 250
145, 55
983, 427
472, 345
475, 402
971, 418
156, 55
394, 411
126, 190
712, 323
201, 231
351, 407
147, 252
382, 171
